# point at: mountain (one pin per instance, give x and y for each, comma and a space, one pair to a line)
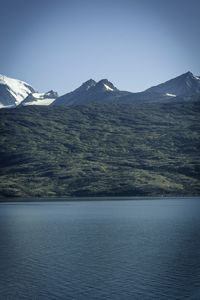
13, 91
104, 91
91, 91
184, 85
40, 98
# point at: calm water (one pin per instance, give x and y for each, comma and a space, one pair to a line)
147, 249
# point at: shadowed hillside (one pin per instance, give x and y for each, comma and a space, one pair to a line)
149, 149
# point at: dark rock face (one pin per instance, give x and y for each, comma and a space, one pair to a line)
51, 94
184, 85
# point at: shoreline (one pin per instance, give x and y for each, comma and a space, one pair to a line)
91, 199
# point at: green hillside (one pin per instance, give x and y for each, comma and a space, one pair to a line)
146, 150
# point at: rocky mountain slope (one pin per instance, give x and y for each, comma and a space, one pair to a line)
184, 85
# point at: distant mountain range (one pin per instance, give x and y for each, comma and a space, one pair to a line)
14, 92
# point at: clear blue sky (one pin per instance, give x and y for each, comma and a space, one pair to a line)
58, 44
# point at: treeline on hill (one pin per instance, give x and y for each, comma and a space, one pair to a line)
100, 150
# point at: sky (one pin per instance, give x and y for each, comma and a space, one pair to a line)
59, 44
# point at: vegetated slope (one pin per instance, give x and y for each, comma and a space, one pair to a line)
97, 150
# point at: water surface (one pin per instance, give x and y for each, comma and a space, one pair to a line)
145, 249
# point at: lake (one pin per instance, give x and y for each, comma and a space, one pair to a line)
124, 249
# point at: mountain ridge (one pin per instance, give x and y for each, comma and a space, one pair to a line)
14, 92
184, 85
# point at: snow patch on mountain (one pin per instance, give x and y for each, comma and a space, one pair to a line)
108, 88
7, 106
170, 95
40, 98
39, 102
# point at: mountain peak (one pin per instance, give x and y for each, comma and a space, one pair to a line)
184, 85
106, 85
191, 75
188, 75
13, 91
88, 84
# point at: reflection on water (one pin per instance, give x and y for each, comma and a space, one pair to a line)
146, 249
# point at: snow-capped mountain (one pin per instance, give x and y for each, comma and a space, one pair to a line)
40, 98
105, 86
91, 91
13, 91
186, 84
